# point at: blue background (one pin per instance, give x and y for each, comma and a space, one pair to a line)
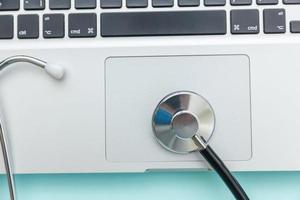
158, 186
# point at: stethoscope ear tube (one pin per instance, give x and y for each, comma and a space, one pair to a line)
55, 71
217, 164
7, 164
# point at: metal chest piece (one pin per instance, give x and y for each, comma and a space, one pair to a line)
179, 118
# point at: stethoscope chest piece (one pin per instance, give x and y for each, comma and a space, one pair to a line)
180, 117
184, 122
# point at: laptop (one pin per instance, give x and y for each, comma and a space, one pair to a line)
122, 57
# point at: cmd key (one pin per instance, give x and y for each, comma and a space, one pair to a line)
82, 25
244, 21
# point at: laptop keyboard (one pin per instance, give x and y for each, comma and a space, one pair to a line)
136, 20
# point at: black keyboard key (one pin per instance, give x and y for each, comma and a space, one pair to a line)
240, 2
60, 4
244, 21
6, 26
266, 2
137, 3
295, 26
9, 5
111, 3
162, 3
82, 25
291, 1
28, 26
54, 25
274, 21
34, 4
163, 23
214, 2
188, 3
85, 4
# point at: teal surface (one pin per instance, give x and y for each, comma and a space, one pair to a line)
152, 186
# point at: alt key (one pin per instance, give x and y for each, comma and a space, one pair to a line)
54, 26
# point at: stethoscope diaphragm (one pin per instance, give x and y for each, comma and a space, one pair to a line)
179, 118
184, 122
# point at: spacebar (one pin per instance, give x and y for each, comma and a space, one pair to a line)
163, 23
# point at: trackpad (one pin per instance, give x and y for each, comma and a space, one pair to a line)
135, 85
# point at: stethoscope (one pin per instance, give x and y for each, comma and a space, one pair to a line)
183, 122
55, 71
